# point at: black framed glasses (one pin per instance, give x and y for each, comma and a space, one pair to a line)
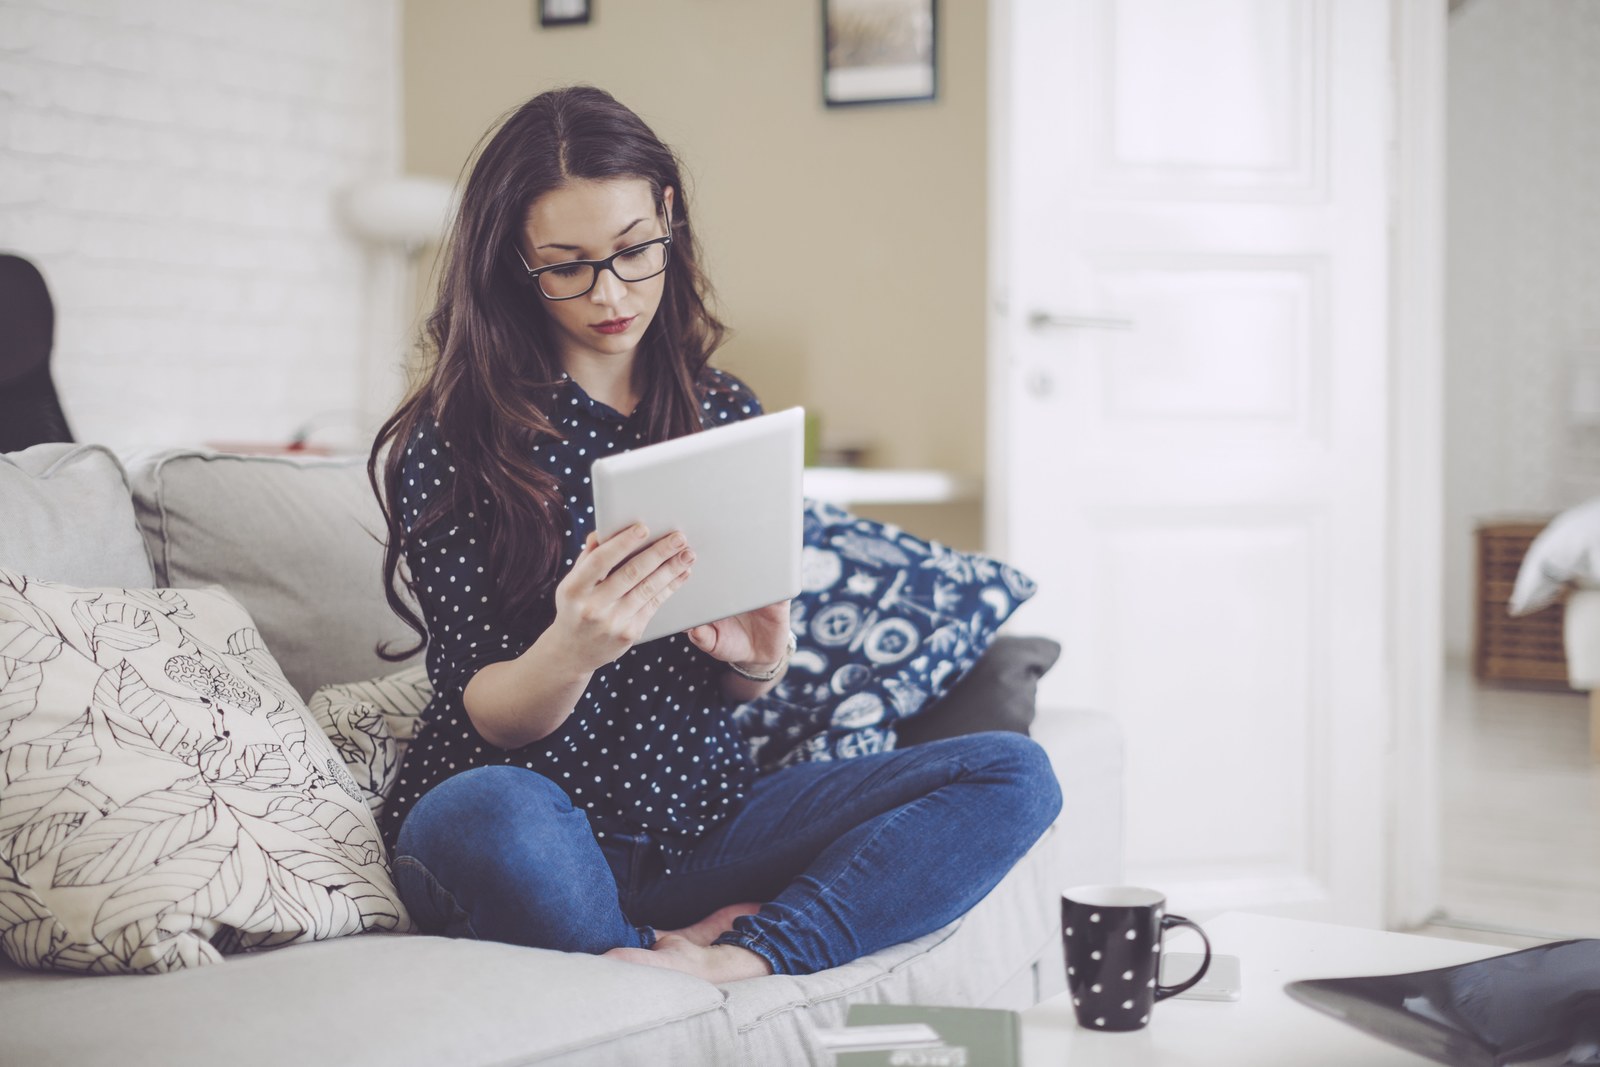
574, 278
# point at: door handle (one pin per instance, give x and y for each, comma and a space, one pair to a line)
1041, 319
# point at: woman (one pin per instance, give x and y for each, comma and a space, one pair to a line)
572, 789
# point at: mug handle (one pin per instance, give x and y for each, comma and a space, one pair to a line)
1167, 923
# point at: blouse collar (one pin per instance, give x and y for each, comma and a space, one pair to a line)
579, 399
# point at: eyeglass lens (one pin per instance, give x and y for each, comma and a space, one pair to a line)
631, 265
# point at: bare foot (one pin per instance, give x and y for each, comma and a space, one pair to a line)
714, 963
714, 925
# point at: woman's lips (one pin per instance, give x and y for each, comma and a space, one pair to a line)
613, 325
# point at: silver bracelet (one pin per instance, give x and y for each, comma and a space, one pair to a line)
768, 675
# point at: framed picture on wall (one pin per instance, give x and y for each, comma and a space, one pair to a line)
563, 12
879, 51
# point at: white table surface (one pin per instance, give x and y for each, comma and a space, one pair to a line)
866, 485
1264, 1026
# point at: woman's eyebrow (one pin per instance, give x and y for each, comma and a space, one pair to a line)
574, 248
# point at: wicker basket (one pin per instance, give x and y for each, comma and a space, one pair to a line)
1527, 650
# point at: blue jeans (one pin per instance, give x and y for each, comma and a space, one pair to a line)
845, 857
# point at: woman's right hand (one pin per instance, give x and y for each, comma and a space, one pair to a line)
606, 600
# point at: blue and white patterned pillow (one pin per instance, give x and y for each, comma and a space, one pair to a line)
885, 623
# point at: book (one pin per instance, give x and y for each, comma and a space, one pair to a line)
970, 1037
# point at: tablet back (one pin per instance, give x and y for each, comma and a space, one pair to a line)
735, 492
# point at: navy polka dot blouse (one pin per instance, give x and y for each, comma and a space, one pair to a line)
651, 746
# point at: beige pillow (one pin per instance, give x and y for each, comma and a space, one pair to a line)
371, 723
165, 798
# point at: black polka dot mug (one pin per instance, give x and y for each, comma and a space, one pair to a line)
1113, 936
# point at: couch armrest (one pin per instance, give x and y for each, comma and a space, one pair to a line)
1085, 748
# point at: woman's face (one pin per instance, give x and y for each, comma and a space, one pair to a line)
591, 220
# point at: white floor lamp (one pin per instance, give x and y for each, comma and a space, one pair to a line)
397, 218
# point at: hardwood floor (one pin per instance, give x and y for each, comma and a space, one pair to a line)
1521, 816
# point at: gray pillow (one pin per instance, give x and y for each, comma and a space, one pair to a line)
997, 694
296, 540
65, 516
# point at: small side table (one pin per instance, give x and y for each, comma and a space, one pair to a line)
1526, 650
871, 485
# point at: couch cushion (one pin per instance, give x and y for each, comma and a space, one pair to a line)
296, 540
379, 1000
68, 517
167, 798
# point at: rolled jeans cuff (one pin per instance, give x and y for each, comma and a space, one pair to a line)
746, 941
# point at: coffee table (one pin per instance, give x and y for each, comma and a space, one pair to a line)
1264, 1026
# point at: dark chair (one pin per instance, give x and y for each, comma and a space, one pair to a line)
30, 412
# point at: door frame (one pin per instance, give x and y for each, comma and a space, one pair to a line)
997, 144
1416, 458
1415, 494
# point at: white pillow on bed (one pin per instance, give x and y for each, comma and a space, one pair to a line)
1568, 550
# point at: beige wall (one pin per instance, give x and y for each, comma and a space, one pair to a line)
847, 244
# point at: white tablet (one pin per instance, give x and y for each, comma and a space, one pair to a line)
735, 493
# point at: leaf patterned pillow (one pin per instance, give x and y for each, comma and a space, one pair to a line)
885, 623
165, 797
371, 723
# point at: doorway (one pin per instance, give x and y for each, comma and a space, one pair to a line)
1424, 572
1190, 369
1520, 795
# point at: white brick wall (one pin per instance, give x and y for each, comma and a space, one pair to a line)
172, 166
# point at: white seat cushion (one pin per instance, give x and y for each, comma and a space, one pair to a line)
385, 1000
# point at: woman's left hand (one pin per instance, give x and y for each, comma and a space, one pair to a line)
755, 640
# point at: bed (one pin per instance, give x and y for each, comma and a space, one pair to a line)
1564, 560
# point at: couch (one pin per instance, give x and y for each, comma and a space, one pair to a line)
292, 539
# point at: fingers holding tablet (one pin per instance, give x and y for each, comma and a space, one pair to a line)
615, 588
758, 636
647, 587
599, 558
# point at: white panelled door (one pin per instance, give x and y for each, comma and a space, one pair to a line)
1187, 428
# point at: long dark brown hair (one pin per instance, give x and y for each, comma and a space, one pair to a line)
493, 355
